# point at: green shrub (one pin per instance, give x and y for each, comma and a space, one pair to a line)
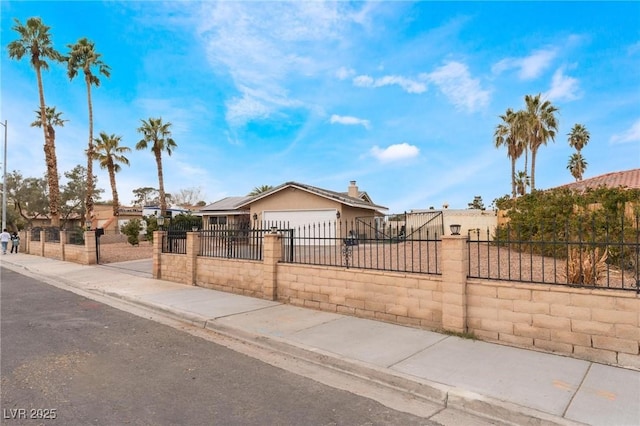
132, 231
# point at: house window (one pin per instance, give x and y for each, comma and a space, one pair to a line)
217, 220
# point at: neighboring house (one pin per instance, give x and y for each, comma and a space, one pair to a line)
473, 222
170, 211
626, 178
103, 217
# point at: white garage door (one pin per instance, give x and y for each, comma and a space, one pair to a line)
310, 226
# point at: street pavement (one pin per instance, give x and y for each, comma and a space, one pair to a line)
506, 384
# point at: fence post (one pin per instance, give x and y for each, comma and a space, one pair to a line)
272, 254
193, 248
90, 247
455, 264
157, 254
43, 238
63, 242
26, 241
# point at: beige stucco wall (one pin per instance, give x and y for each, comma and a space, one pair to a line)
291, 199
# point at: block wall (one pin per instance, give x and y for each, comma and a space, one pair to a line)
409, 299
230, 275
591, 324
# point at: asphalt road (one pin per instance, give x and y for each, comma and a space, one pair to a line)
69, 360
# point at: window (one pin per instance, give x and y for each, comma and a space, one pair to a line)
217, 220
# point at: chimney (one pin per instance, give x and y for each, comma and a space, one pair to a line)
353, 189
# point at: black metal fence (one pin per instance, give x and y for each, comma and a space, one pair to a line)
76, 236
387, 245
586, 253
239, 243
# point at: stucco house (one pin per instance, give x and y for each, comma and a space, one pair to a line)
299, 204
293, 205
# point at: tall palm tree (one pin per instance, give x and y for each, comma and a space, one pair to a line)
578, 137
577, 165
83, 56
109, 154
508, 133
260, 189
35, 42
541, 124
157, 134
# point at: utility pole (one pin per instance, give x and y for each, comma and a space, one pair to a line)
4, 179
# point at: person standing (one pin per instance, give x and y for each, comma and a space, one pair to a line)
15, 242
4, 240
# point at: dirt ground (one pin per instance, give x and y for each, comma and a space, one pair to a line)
121, 252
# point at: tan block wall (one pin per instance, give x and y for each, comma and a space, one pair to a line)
234, 276
597, 325
53, 250
395, 297
75, 253
174, 268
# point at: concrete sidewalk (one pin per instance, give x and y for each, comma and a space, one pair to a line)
512, 385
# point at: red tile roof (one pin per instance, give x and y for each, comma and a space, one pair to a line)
627, 178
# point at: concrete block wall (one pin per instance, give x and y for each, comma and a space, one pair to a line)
231, 275
409, 299
593, 324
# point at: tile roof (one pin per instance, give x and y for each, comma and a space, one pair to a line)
626, 178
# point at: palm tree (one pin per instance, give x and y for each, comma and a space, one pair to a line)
109, 154
508, 133
522, 181
52, 118
157, 134
35, 41
83, 56
541, 125
577, 165
260, 189
578, 137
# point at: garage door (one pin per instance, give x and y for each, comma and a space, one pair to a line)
309, 226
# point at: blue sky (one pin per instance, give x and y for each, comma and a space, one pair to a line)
402, 97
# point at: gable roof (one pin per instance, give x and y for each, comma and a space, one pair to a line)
625, 178
227, 205
363, 202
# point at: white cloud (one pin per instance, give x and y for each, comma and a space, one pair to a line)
349, 121
343, 73
408, 85
563, 87
455, 82
395, 152
262, 45
530, 67
630, 135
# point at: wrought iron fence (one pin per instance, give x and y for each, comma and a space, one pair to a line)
585, 253
76, 236
389, 246
35, 234
239, 242
52, 234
